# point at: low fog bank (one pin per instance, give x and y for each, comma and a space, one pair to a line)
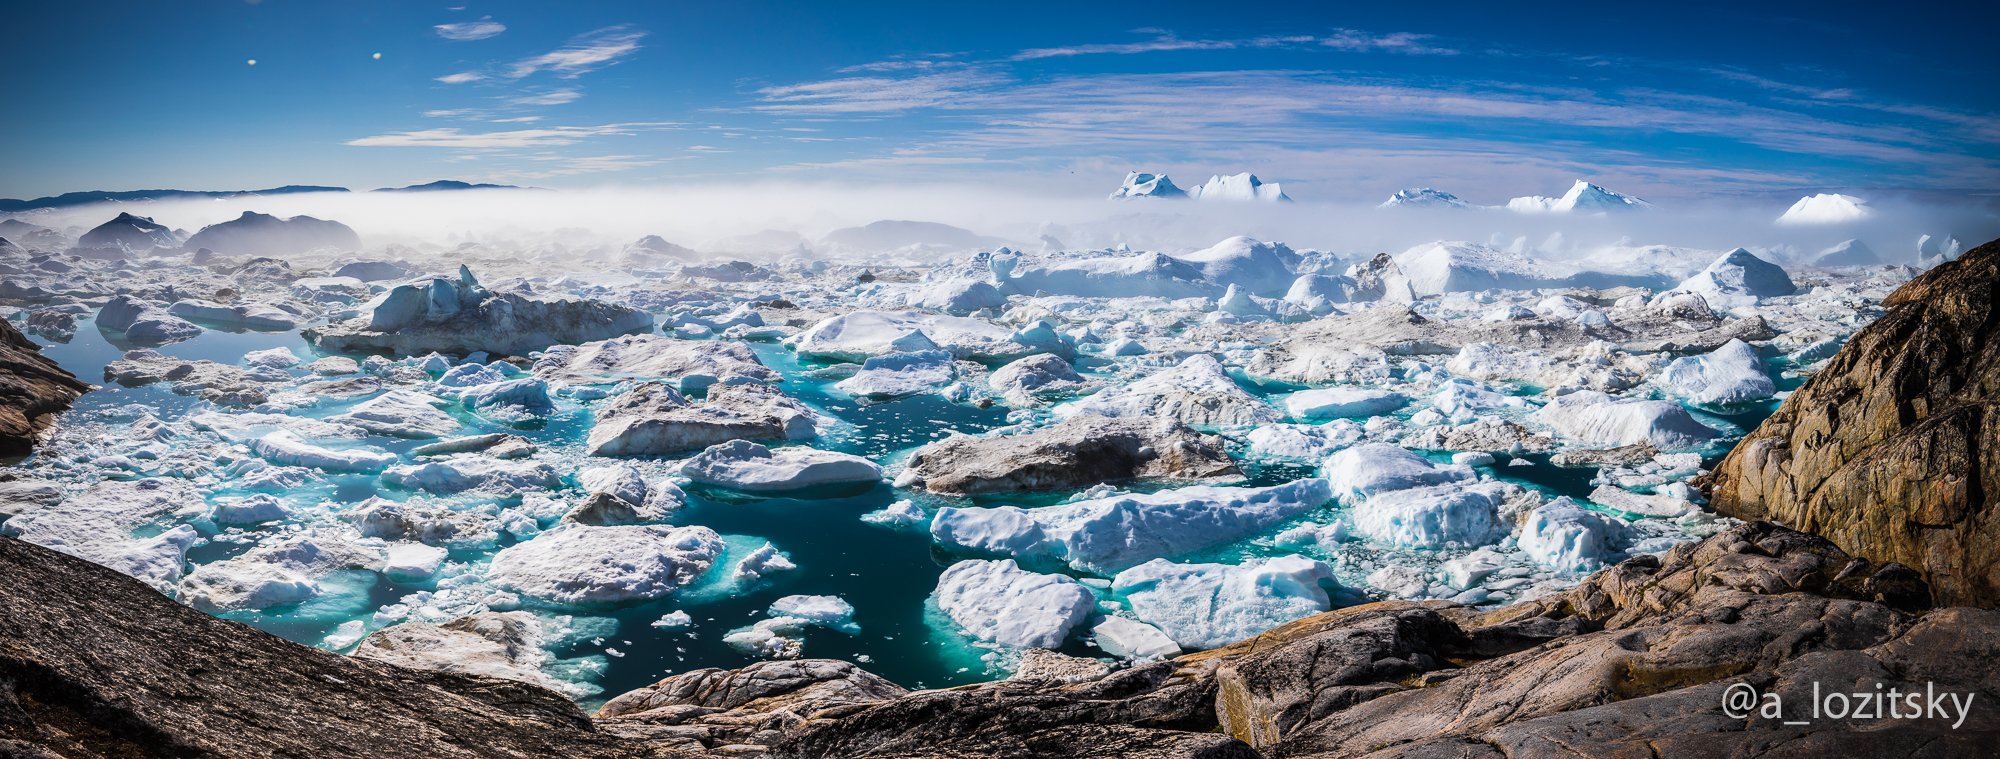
766, 220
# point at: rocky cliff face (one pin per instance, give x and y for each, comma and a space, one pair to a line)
1893, 450
32, 391
94, 663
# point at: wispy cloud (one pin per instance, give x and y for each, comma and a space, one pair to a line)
551, 97
452, 137
461, 77
466, 31
874, 94
584, 53
1351, 40
518, 120
1405, 43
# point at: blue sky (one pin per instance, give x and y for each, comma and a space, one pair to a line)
1485, 99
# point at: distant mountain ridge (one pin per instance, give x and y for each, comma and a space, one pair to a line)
448, 184
87, 197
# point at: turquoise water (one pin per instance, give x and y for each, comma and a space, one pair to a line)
886, 574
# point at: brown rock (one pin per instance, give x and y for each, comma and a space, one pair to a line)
95, 664
33, 390
1892, 451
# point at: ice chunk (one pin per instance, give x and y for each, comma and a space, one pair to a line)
961, 297
830, 612
252, 316
97, 525
1431, 517
1109, 534
401, 413
1570, 538
1132, 639
904, 514
1307, 442
743, 465
1334, 402
1731, 374
999, 602
687, 365
1826, 208
858, 335
1029, 381
1366, 470
1199, 393
412, 562
254, 509
1600, 419
897, 374
653, 419
581, 564
1738, 278
1210, 605
286, 448
457, 475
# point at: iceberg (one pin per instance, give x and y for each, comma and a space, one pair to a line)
578, 565
1423, 197
1203, 606
1600, 419
1366, 470
1826, 208
999, 602
1105, 535
1199, 393
1729, 375
1143, 185
746, 466
1583, 197
1237, 187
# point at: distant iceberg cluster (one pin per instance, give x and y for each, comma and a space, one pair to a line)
1244, 186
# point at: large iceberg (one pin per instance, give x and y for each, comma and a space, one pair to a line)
581, 564
1601, 419
1365, 470
1213, 605
1244, 186
1826, 208
999, 602
1140, 184
653, 419
858, 335
1423, 197
1738, 278
1199, 392
1583, 197
743, 465
1728, 375
458, 316
1106, 535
